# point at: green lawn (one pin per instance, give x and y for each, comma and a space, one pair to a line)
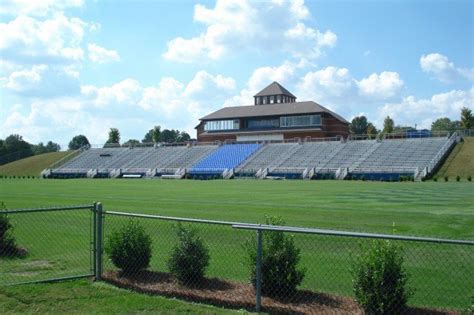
442, 275
33, 165
86, 297
460, 162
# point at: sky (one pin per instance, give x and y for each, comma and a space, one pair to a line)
72, 67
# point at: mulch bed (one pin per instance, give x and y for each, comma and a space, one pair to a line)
240, 295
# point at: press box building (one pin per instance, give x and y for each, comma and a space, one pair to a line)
275, 116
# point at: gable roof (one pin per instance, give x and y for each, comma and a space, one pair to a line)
274, 88
276, 109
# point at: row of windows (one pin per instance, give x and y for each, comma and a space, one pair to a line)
285, 121
259, 100
222, 125
300, 121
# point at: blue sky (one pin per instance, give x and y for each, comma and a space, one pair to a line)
76, 67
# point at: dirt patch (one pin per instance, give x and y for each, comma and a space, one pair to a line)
38, 265
239, 295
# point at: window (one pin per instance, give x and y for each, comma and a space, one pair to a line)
279, 99
222, 125
272, 99
300, 121
263, 123
264, 100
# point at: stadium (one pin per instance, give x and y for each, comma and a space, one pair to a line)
275, 138
298, 161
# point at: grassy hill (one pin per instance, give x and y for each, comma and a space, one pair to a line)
460, 161
31, 166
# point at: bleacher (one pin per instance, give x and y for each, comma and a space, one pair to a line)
227, 157
386, 159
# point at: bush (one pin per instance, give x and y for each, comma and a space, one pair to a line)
469, 178
189, 258
8, 246
380, 279
129, 248
280, 258
446, 178
435, 179
458, 178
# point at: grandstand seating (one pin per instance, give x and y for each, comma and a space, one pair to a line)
226, 157
377, 159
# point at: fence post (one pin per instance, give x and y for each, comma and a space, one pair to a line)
98, 241
258, 280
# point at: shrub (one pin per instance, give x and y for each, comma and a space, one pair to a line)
8, 246
469, 178
458, 178
129, 248
280, 258
435, 179
446, 178
380, 280
189, 258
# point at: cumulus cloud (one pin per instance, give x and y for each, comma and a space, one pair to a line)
99, 54
234, 25
26, 40
439, 66
411, 111
380, 86
127, 105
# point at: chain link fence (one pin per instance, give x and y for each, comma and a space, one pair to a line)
268, 268
46, 244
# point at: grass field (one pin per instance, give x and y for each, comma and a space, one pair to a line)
460, 162
59, 243
33, 165
85, 297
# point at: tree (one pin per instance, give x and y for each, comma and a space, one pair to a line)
371, 130
148, 138
131, 143
78, 142
388, 125
169, 135
52, 147
445, 124
15, 148
467, 120
359, 125
156, 134
114, 136
183, 137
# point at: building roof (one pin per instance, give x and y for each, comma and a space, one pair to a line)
277, 109
274, 89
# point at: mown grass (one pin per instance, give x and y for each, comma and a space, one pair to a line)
442, 275
86, 297
460, 162
31, 166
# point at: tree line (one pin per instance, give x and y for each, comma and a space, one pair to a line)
361, 126
14, 147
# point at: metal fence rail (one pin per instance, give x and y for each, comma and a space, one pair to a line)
51, 244
69, 242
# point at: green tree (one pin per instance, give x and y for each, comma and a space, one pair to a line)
156, 134
445, 124
114, 136
78, 142
148, 138
15, 148
467, 120
169, 136
359, 125
183, 137
131, 143
371, 131
388, 125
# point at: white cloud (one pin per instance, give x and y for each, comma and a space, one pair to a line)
234, 25
441, 68
36, 7
28, 40
423, 112
127, 105
380, 86
99, 54
331, 81
25, 79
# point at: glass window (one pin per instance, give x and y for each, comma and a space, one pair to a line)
272, 99
300, 121
222, 125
